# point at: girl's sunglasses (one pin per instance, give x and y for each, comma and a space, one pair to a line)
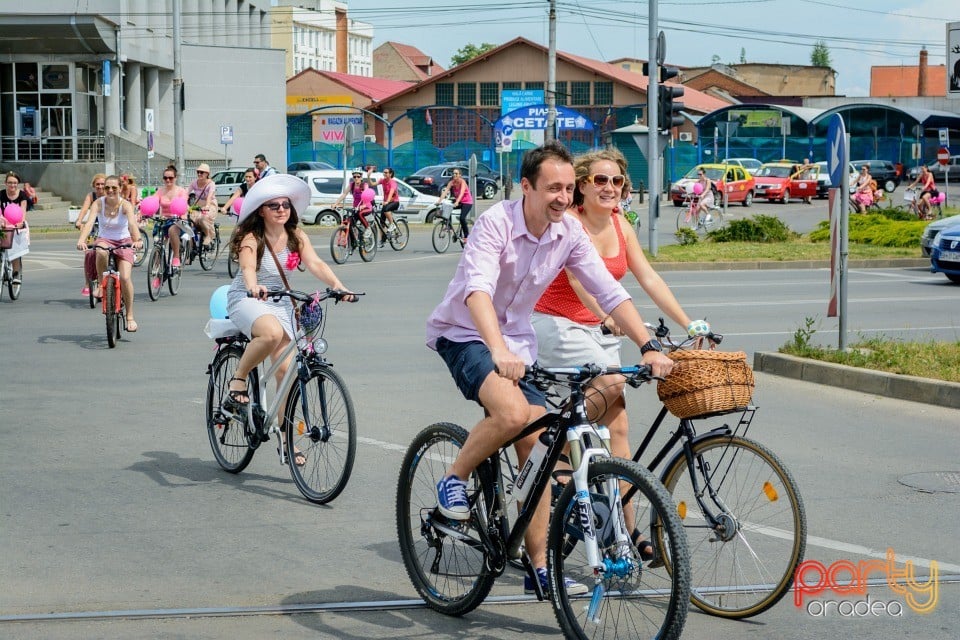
601, 180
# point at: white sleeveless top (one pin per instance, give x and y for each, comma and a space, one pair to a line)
113, 228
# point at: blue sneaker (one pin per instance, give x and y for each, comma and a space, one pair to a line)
572, 587
452, 498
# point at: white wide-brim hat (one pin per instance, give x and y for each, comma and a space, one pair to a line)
278, 185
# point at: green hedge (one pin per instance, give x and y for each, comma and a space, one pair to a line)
877, 229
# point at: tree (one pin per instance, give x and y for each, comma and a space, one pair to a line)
469, 52
820, 56
743, 55
715, 59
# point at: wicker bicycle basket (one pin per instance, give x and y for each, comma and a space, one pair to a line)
6, 241
706, 382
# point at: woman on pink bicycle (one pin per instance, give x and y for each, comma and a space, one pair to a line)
928, 189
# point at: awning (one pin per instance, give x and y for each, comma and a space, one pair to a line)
55, 35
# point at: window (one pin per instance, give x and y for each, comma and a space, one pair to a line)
489, 94
562, 97
602, 93
579, 93
467, 94
444, 93
511, 85
534, 86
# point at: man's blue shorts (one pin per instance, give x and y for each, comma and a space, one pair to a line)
470, 363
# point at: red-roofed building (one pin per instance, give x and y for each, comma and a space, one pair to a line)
398, 61
607, 94
908, 81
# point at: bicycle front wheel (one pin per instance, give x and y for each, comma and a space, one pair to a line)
625, 599
442, 235
208, 256
687, 219
173, 282
110, 311
13, 288
321, 431
450, 573
400, 235
368, 243
144, 250
155, 272
340, 245
228, 435
744, 563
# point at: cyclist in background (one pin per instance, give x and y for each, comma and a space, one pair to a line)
391, 201
167, 193
482, 327
249, 177
353, 188
89, 259
461, 198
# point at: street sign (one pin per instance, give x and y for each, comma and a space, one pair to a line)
148, 122
836, 150
226, 134
944, 135
943, 156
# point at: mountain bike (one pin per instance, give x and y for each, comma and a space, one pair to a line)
605, 509
443, 230
114, 308
160, 267
397, 233
742, 511
317, 424
355, 233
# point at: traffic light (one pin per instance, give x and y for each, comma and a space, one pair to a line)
669, 109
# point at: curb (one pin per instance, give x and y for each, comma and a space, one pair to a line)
880, 263
881, 383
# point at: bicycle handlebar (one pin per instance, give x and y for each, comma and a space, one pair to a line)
662, 332
300, 296
636, 374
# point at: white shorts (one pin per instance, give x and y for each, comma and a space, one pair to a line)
245, 312
564, 343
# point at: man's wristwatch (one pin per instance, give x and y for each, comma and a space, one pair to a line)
650, 345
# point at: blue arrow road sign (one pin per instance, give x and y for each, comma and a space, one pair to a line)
836, 150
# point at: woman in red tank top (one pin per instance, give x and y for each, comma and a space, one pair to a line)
569, 322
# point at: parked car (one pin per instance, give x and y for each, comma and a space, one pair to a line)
781, 181
823, 177
938, 169
733, 180
227, 181
883, 171
432, 179
326, 187
932, 229
750, 164
483, 170
294, 167
945, 253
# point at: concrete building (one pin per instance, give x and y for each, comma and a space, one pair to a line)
78, 96
318, 34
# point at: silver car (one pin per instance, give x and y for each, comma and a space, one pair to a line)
932, 229
326, 187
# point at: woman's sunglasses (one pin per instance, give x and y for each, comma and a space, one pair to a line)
276, 206
601, 180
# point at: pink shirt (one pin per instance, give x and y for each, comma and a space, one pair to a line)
467, 196
514, 268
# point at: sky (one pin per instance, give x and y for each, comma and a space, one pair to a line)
858, 34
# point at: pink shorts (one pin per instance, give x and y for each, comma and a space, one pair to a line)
123, 254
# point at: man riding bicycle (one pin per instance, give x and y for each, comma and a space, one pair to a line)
482, 327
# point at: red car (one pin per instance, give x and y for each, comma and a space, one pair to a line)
783, 180
732, 179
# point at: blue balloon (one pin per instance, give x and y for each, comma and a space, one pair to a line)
218, 302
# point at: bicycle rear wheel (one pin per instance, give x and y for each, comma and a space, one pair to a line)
154, 272
340, 244
228, 435
626, 599
442, 235
450, 573
320, 425
399, 236
745, 563
110, 310
713, 219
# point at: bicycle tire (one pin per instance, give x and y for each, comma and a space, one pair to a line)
14, 289
713, 220
340, 245
752, 485
109, 291
91, 285
637, 601
173, 281
452, 576
233, 265
141, 253
687, 220
368, 244
400, 237
155, 272
324, 432
228, 437
442, 235
208, 257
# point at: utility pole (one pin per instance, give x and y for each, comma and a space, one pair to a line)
177, 89
549, 134
653, 131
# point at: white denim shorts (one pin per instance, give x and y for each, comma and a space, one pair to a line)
564, 343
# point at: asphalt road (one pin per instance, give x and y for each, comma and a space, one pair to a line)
112, 501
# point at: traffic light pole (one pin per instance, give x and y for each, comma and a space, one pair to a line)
653, 130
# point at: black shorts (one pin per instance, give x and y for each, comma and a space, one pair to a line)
470, 363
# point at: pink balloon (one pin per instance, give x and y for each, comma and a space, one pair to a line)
237, 204
13, 213
367, 196
149, 206
697, 188
178, 207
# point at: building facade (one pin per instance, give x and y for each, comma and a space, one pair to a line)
320, 35
80, 95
